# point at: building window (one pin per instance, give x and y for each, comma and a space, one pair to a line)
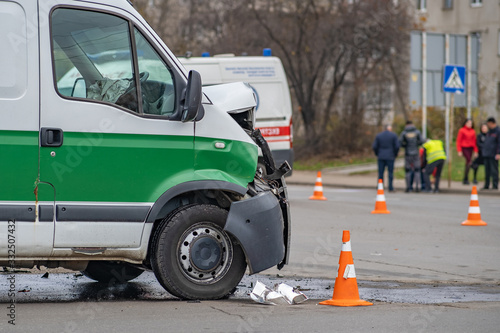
498, 94
476, 3
447, 4
422, 5
499, 42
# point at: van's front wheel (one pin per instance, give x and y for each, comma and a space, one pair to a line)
193, 257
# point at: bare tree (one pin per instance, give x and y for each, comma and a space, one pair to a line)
306, 34
381, 29
323, 44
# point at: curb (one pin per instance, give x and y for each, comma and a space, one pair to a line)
398, 189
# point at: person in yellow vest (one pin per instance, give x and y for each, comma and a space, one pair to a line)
434, 158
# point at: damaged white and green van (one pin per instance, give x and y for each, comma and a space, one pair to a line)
132, 166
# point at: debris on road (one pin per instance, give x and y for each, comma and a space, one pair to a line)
282, 295
293, 296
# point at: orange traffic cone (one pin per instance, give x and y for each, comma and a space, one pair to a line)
380, 206
345, 291
474, 217
318, 189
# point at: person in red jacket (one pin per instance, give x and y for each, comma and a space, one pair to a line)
466, 146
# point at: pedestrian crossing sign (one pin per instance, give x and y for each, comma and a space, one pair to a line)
454, 79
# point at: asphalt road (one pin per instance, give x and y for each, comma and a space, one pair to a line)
422, 240
421, 268
245, 316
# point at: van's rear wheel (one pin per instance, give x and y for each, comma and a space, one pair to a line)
193, 257
111, 271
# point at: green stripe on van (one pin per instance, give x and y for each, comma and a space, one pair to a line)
139, 168
117, 167
18, 165
236, 162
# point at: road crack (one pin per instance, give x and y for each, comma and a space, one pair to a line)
227, 313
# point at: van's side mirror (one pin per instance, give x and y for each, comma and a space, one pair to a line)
192, 102
79, 88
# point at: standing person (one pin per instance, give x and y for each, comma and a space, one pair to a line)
481, 137
422, 166
491, 154
466, 146
386, 148
434, 158
410, 139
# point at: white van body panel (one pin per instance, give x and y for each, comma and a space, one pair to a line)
19, 101
18, 59
224, 99
230, 102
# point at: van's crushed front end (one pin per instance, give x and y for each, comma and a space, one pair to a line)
260, 221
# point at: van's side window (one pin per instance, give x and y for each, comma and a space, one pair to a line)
93, 57
158, 93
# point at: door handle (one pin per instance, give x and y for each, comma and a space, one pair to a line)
51, 137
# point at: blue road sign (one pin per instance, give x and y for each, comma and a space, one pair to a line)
454, 79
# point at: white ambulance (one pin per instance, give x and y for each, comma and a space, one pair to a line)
266, 76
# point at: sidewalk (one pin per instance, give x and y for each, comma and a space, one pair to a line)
342, 177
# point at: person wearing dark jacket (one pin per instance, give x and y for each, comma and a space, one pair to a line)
411, 139
491, 154
481, 137
386, 147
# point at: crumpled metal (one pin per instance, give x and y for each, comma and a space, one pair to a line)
282, 294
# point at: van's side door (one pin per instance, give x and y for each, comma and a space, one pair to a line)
108, 146
26, 206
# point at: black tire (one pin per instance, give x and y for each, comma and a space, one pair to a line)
193, 257
111, 271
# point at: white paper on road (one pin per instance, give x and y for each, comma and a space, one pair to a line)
282, 295
292, 296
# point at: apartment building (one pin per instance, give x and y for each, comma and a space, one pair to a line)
470, 17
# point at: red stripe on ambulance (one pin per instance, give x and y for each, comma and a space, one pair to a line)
275, 131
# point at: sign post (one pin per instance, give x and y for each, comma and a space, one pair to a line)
453, 83
450, 132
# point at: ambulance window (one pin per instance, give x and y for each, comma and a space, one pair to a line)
93, 57
158, 93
